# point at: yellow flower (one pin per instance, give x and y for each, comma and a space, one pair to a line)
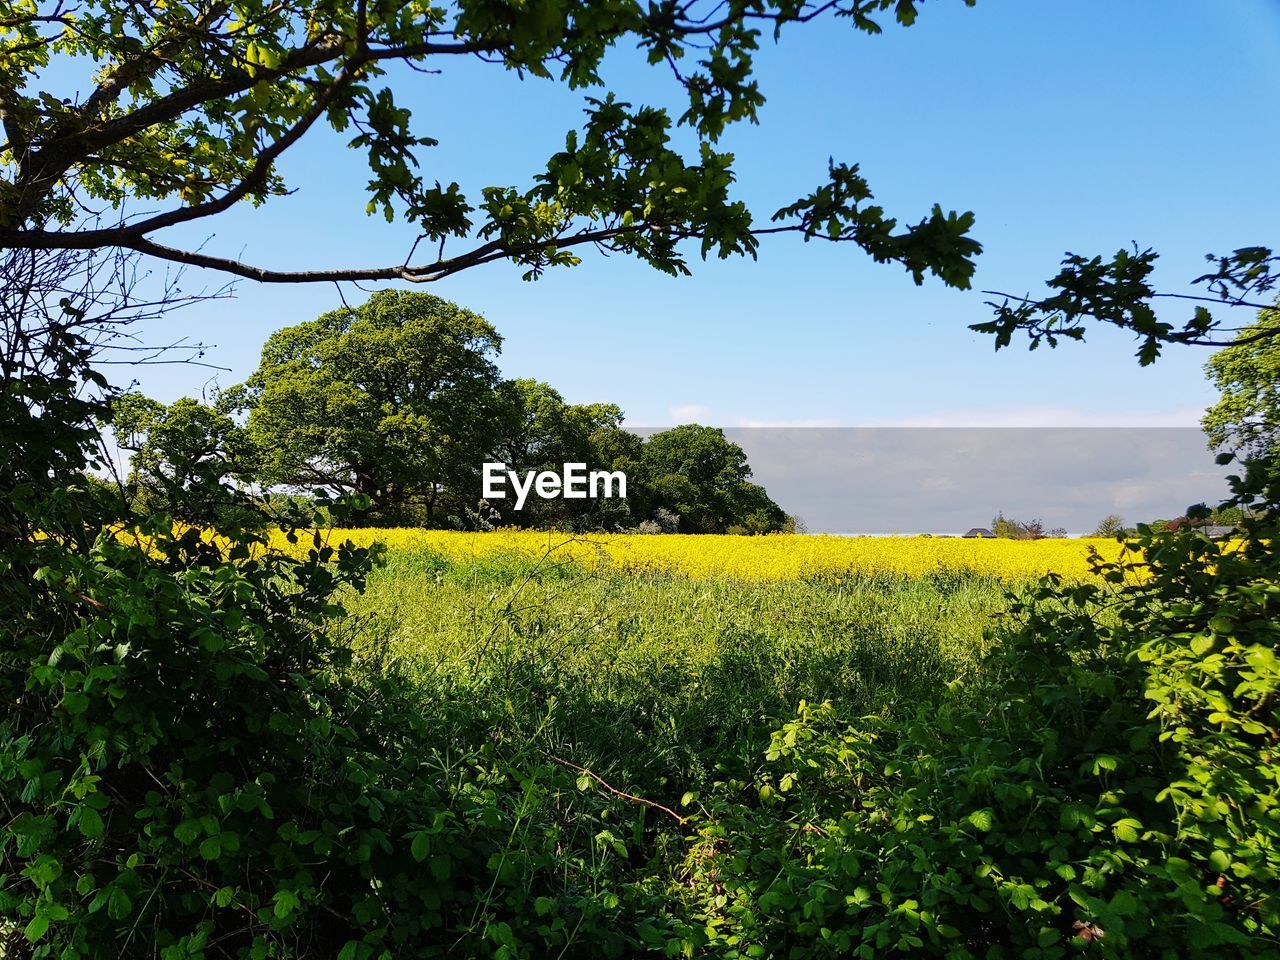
773, 557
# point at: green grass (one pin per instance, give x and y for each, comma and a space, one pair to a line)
657, 681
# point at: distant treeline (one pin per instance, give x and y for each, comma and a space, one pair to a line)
399, 403
1113, 525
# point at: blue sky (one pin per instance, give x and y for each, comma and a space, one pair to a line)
1082, 126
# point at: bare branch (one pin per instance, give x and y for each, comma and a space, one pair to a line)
127, 237
615, 791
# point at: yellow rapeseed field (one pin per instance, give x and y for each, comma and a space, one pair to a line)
773, 557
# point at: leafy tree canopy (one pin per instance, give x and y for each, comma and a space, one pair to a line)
1246, 418
389, 399
399, 402
184, 456
703, 477
1112, 525
1008, 528
187, 107
540, 431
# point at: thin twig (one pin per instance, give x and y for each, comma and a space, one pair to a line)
614, 790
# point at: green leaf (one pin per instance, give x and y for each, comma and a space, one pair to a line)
1104, 761
1124, 903
91, 824
119, 906
286, 902
421, 847
37, 928
983, 819
1126, 829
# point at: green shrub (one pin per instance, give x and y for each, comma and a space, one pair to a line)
1113, 790
191, 766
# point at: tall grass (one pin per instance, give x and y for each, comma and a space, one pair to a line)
658, 681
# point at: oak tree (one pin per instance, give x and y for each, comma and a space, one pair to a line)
394, 400
178, 111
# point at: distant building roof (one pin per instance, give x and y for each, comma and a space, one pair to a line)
1211, 530
980, 532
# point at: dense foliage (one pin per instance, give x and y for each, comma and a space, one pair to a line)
1111, 788
539, 431
191, 765
703, 478
182, 458
394, 401
195, 760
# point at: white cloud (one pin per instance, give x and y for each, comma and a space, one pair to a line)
748, 422
1011, 416
689, 413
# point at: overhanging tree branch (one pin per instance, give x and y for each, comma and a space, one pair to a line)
126, 238
187, 96
1191, 340
1119, 292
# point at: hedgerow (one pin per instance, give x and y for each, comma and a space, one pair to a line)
1113, 789
191, 765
